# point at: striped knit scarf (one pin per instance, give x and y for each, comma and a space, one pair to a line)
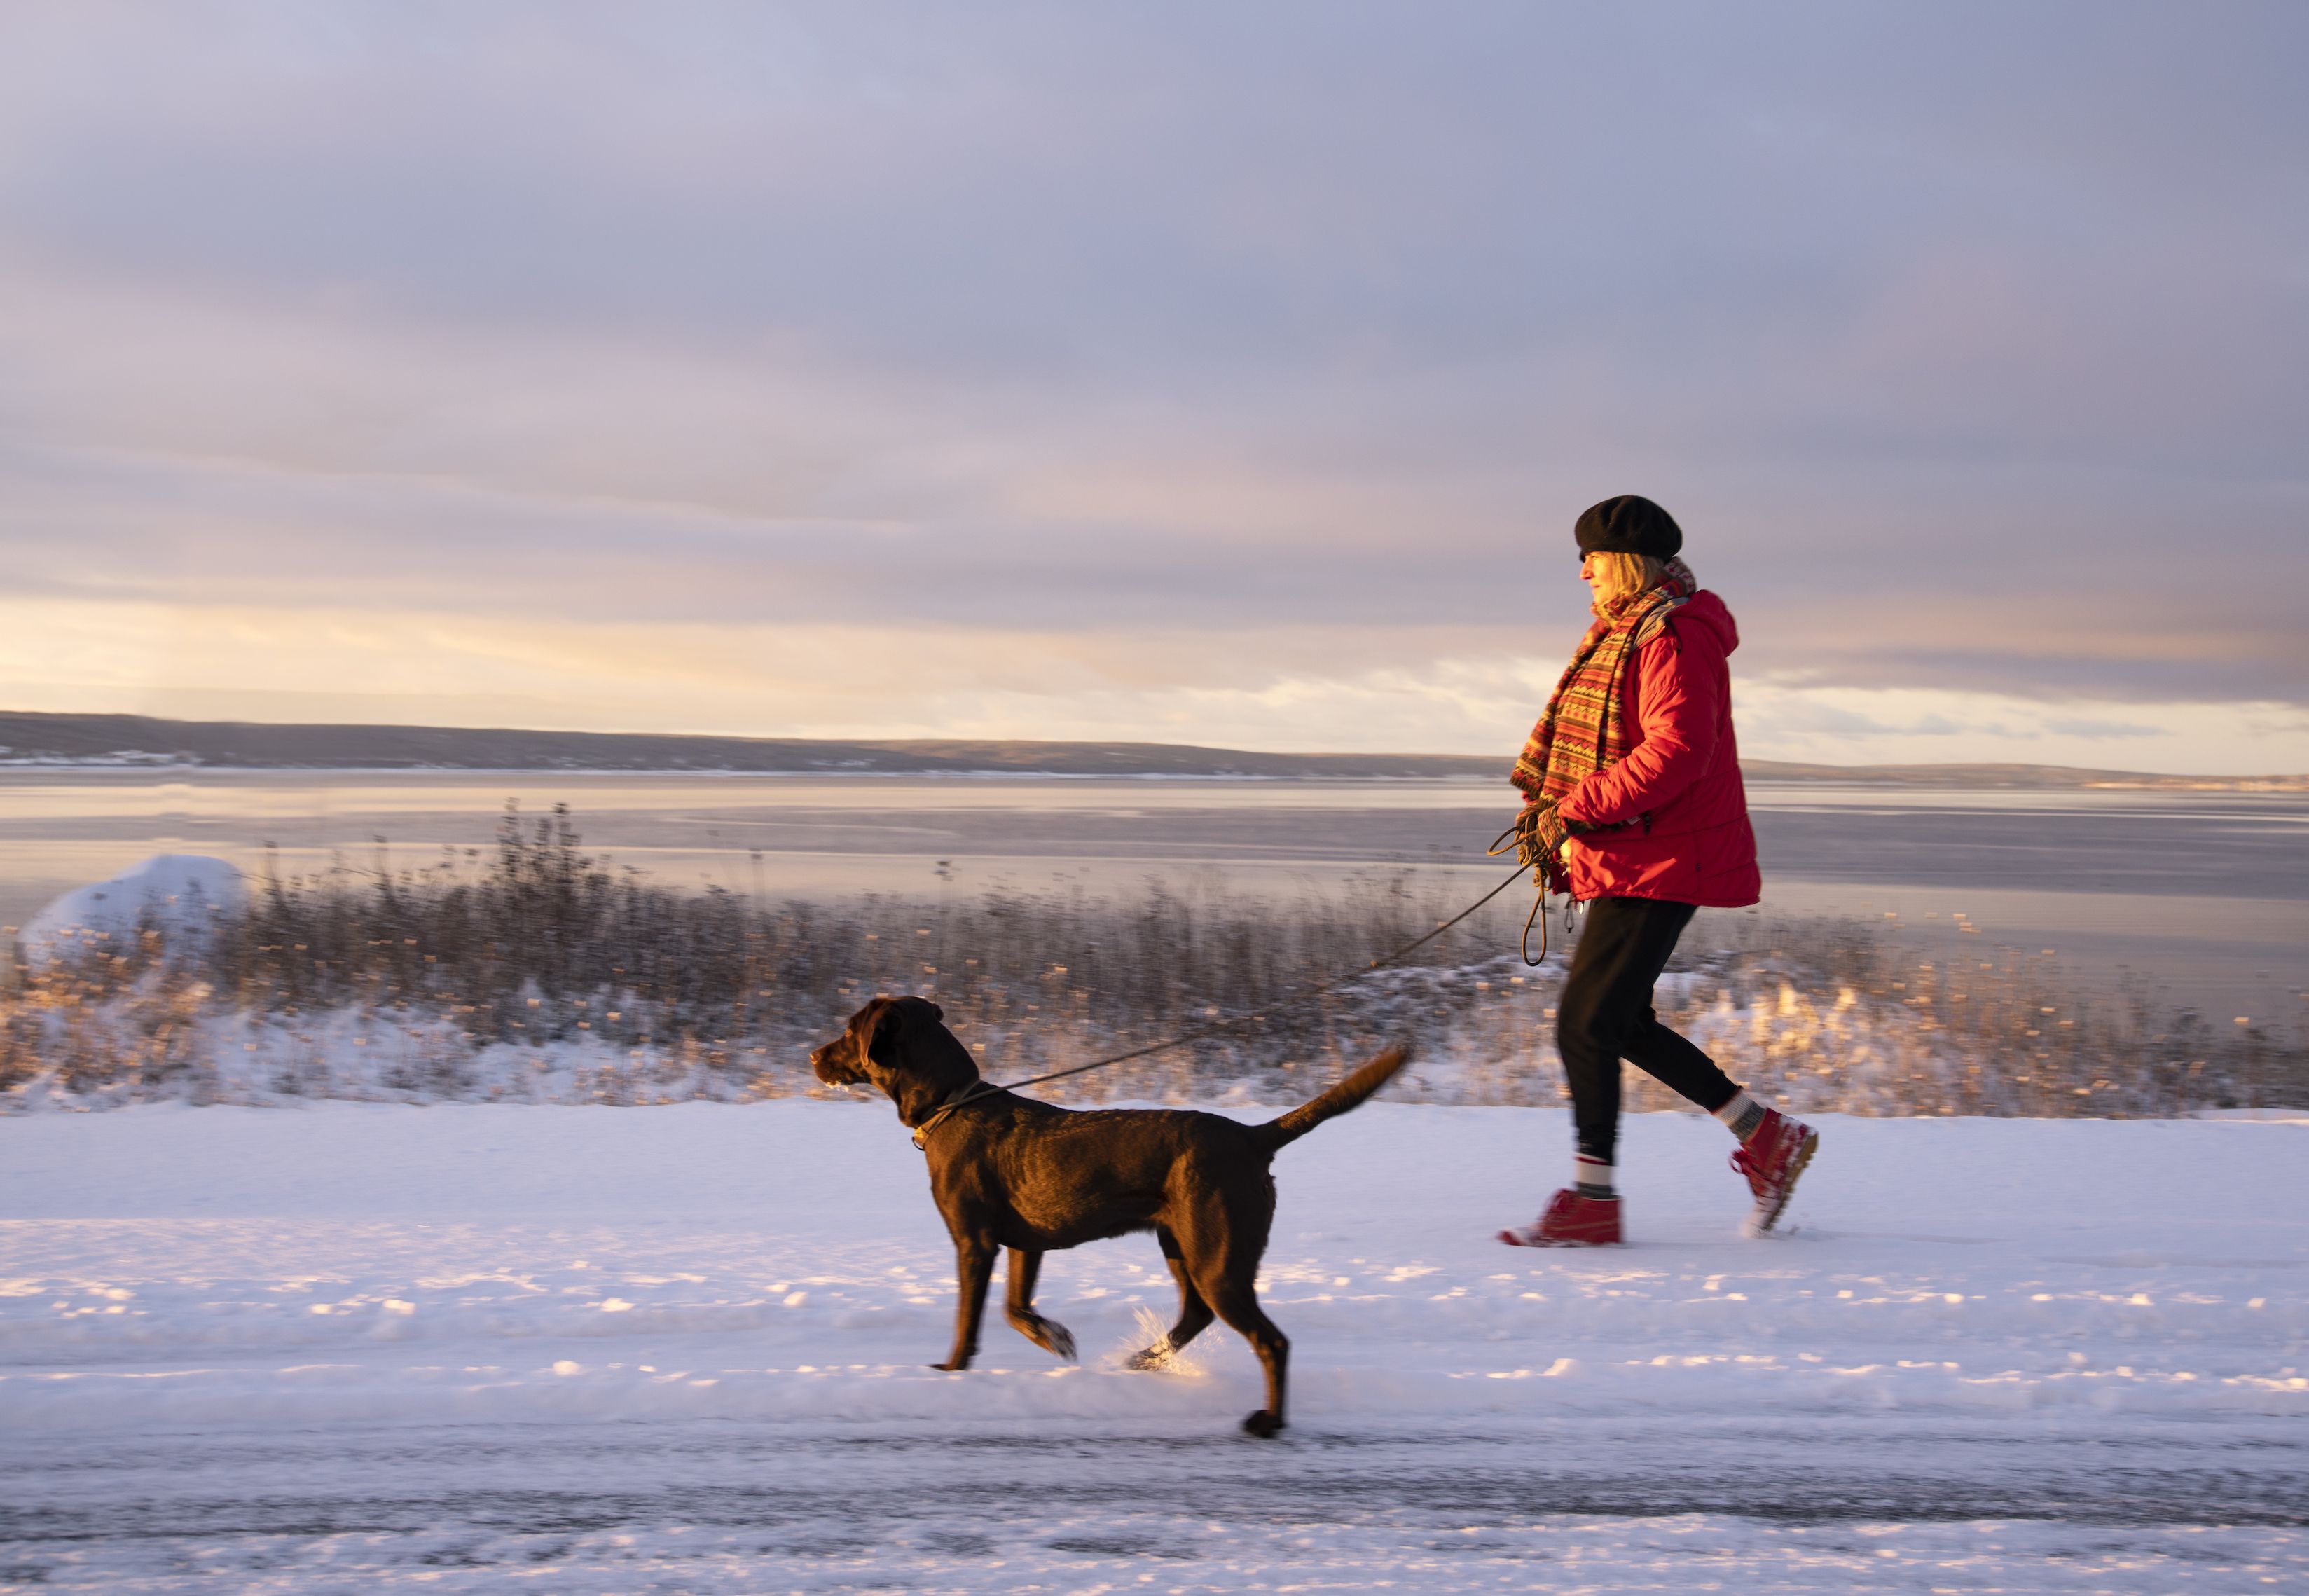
1585, 729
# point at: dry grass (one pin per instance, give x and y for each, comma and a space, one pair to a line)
530, 972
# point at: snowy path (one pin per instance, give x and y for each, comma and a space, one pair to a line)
683, 1349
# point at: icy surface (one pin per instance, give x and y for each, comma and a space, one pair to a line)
180, 894
470, 1347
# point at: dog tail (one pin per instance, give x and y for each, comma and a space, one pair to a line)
1348, 1094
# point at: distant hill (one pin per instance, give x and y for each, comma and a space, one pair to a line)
31, 740
130, 740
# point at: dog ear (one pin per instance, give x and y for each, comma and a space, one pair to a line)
881, 1032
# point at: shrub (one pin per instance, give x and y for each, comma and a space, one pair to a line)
532, 972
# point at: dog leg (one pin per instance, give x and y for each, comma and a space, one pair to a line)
1237, 1302
1194, 1312
1222, 1241
973, 1269
1048, 1334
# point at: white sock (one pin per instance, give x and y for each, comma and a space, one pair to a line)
1741, 1116
1591, 1177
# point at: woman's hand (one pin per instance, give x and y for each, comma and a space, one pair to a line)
1531, 831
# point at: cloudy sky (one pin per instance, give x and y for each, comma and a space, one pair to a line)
1224, 373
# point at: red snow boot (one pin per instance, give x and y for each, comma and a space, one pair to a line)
1572, 1220
1772, 1159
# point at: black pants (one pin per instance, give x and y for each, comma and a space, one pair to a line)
1605, 1015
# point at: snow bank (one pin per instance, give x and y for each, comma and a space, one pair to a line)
179, 895
175, 1040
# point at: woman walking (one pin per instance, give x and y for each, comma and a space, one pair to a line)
1634, 805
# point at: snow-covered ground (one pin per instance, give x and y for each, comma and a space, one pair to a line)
477, 1348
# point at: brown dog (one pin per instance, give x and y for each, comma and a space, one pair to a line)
1007, 1171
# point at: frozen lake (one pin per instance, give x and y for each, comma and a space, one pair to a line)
2204, 897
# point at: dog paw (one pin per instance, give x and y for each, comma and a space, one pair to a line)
1061, 1342
1156, 1357
1262, 1424
952, 1366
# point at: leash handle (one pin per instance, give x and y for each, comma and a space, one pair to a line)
1538, 912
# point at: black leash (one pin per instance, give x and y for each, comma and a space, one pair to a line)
981, 1088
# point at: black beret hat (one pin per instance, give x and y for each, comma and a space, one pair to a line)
1629, 524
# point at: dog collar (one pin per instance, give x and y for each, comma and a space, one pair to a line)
976, 1088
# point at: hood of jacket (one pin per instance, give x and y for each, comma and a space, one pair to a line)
1705, 609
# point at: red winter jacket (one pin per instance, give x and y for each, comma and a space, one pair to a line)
1683, 773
